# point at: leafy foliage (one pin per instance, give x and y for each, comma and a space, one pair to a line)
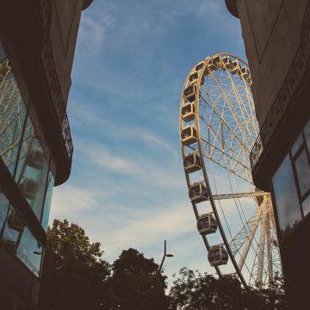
193, 291
73, 271
136, 284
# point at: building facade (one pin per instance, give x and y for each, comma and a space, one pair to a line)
277, 40
37, 44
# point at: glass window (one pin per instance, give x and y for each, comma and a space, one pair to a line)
307, 135
48, 199
298, 143
286, 198
306, 205
33, 174
29, 251
4, 208
2, 53
303, 172
12, 115
11, 232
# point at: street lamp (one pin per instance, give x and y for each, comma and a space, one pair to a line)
164, 257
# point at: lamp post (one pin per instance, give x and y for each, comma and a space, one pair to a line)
164, 257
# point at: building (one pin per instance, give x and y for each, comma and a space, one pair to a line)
277, 40
37, 44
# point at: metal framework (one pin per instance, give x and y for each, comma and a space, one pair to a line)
218, 126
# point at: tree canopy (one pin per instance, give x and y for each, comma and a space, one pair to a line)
75, 276
194, 291
136, 283
73, 272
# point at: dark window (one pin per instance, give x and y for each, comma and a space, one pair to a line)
307, 135
306, 205
4, 209
48, 199
286, 197
296, 146
303, 172
2, 53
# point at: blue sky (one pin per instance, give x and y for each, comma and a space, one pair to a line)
127, 187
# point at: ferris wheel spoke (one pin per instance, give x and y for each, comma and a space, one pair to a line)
228, 103
249, 239
261, 256
229, 160
222, 120
269, 244
237, 195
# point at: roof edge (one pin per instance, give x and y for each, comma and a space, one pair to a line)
86, 4
232, 7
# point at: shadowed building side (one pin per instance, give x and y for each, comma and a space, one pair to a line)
277, 41
37, 44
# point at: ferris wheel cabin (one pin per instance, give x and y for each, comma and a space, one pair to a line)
198, 192
188, 112
206, 224
235, 68
189, 135
192, 162
217, 255
189, 93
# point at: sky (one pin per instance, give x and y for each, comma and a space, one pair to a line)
127, 186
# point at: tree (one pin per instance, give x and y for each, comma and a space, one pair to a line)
74, 273
193, 291
136, 284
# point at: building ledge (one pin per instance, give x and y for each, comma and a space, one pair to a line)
86, 4
232, 7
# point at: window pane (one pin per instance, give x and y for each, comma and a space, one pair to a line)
25, 251
10, 232
32, 174
48, 199
286, 197
306, 205
303, 172
307, 134
4, 208
2, 53
12, 118
296, 146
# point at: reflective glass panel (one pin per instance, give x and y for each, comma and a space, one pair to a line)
47, 202
33, 174
29, 252
296, 146
10, 232
4, 208
306, 205
12, 119
2, 53
286, 197
307, 134
303, 172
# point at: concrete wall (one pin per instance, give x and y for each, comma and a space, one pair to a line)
63, 34
271, 30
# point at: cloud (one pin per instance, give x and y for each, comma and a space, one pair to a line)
67, 199
121, 131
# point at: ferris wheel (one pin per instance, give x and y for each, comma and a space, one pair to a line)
218, 128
